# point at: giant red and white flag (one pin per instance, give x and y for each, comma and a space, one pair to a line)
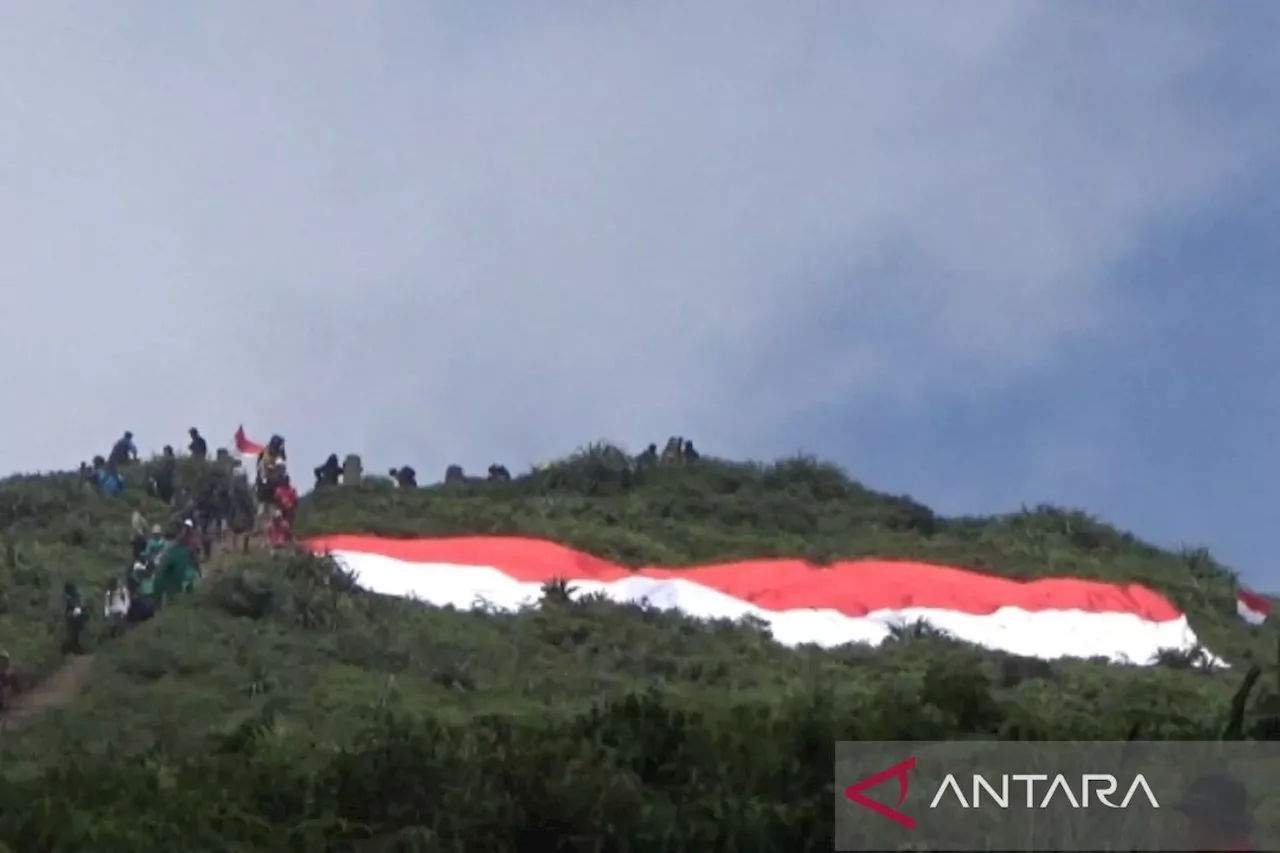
856, 601
1252, 607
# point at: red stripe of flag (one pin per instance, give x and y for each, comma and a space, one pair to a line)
1252, 607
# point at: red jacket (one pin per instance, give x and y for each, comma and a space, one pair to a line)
279, 532
286, 497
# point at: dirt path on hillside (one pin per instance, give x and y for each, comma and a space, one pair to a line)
56, 691
68, 681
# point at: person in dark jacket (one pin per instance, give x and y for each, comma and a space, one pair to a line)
405, 477
330, 473
140, 581
242, 521
123, 451
198, 447
164, 475
212, 511
75, 617
195, 542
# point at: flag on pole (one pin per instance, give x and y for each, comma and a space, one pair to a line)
245, 447
1252, 607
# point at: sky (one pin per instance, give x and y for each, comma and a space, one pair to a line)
985, 253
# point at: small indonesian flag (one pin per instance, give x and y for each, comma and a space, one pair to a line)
245, 447
1252, 607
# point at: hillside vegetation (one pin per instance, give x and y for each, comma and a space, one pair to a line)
280, 709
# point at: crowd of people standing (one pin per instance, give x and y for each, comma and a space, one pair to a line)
169, 559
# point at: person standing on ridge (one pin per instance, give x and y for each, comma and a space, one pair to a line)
330, 473
198, 447
123, 451
164, 476
271, 469
274, 453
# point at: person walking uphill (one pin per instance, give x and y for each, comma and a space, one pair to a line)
116, 606
141, 585
155, 546
194, 540
176, 572
75, 617
138, 535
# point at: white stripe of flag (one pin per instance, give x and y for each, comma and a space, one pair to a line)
1252, 607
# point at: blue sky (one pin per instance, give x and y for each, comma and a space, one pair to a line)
987, 253
1169, 433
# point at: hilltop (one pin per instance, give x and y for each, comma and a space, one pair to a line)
275, 677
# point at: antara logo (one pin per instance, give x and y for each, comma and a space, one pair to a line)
1092, 788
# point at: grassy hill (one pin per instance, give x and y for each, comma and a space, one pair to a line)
277, 710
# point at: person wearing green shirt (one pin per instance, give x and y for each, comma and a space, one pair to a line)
141, 583
140, 579
176, 571
155, 545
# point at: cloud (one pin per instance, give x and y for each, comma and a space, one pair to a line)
434, 233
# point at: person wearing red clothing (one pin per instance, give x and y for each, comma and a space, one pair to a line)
279, 532
285, 497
